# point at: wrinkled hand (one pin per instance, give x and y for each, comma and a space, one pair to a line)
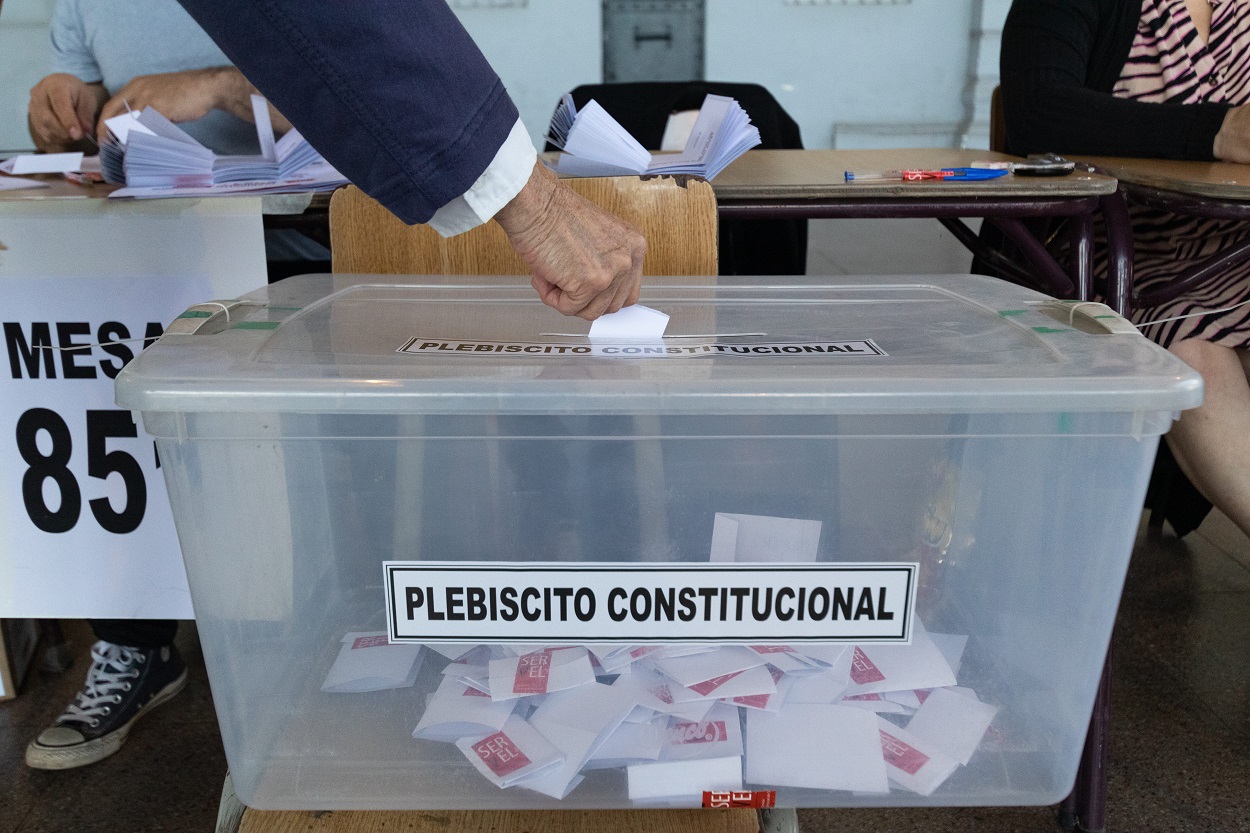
179, 96
586, 261
1232, 143
62, 111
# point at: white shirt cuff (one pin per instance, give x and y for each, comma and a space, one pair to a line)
502, 180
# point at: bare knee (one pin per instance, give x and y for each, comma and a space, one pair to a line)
1220, 367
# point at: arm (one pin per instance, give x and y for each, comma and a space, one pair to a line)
189, 95
1052, 102
395, 94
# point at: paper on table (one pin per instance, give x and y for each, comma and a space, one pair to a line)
367, 662
17, 183
683, 779
630, 323
539, 672
458, 711
513, 754
876, 668
758, 538
718, 735
953, 722
815, 746
42, 163
912, 763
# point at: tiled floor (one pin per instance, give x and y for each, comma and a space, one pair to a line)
1180, 755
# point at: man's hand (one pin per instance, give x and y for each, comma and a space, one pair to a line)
1232, 143
62, 111
586, 261
189, 95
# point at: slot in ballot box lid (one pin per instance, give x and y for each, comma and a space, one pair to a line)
436, 345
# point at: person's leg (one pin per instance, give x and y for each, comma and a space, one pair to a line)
1212, 442
134, 668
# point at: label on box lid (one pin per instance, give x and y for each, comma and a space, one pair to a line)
494, 602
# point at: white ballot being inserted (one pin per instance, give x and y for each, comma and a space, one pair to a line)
683, 779
912, 763
458, 711
952, 721
367, 662
821, 747
631, 323
515, 753
761, 538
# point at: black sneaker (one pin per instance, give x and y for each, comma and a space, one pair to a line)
122, 684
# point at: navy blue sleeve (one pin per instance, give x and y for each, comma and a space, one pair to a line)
394, 93
1059, 62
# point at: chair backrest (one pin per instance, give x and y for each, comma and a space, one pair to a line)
676, 215
998, 125
747, 247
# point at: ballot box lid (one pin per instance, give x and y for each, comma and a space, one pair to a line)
816, 345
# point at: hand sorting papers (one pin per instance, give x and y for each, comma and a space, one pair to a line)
595, 144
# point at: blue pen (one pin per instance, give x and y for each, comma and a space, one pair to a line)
914, 175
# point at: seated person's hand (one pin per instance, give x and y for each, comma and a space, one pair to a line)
62, 111
1232, 143
178, 96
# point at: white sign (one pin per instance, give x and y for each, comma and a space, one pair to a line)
85, 523
671, 348
593, 602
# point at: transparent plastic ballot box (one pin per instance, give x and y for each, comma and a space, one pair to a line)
851, 541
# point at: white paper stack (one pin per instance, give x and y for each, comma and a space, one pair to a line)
148, 152
595, 144
367, 662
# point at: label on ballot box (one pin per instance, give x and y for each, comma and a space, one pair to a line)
432, 601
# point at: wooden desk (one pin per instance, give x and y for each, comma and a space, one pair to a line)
811, 183
1211, 190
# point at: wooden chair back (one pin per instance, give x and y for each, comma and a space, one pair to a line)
676, 215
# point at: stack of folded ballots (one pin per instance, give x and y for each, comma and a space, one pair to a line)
684, 719
595, 144
146, 150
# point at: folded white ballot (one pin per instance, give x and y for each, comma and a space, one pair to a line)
652, 690
477, 676
823, 688
630, 324
746, 683
954, 722
767, 702
952, 647
910, 699
719, 735
576, 722
697, 668
912, 763
787, 658
756, 538
631, 743
815, 746
42, 163
873, 703
455, 651
683, 779
367, 662
877, 668
515, 753
540, 672
458, 711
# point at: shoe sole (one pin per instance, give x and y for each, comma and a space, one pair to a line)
71, 757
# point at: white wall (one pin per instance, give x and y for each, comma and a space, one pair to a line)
540, 48
852, 75
24, 59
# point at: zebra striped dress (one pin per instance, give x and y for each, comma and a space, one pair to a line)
1169, 63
